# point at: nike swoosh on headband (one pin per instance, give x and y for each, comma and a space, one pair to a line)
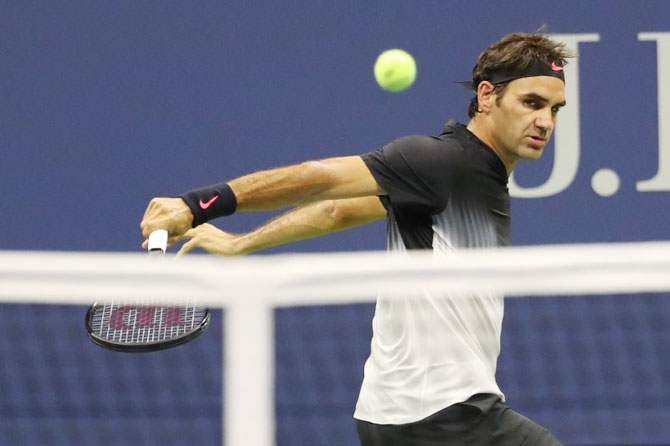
208, 203
508, 74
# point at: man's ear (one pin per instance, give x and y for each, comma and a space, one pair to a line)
485, 96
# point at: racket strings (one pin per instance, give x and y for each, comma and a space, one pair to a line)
144, 323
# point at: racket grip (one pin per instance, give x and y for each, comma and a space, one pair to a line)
158, 241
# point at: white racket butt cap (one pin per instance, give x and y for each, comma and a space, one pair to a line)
158, 241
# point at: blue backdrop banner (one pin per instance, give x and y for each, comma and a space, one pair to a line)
107, 104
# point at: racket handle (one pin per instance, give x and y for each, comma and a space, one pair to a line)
158, 241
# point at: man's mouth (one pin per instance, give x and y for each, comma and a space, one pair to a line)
536, 140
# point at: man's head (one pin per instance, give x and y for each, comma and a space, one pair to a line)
520, 88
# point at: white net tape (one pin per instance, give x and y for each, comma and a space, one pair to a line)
295, 279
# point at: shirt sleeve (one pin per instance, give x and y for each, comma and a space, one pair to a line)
416, 172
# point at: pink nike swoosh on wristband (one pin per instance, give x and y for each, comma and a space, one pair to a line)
556, 67
208, 203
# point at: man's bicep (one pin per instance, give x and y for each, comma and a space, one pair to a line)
350, 177
358, 211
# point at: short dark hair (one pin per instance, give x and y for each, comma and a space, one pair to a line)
517, 51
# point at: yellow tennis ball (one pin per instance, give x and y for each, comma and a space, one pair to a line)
395, 70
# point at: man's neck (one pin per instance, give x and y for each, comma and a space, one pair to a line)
479, 128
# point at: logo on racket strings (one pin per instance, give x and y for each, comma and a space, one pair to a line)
145, 317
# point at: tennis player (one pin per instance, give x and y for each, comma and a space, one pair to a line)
430, 378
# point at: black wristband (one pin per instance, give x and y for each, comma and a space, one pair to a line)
210, 202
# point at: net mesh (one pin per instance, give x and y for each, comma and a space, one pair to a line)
274, 365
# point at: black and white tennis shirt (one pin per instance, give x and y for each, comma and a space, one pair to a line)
434, 350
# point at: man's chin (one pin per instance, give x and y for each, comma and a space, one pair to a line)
532, 154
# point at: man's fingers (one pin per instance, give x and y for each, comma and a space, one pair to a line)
179, 238
158, 223
189, 234
187, 247
192, 243
148, 210
148, 214
175, 239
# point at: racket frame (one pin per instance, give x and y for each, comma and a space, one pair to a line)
142, 347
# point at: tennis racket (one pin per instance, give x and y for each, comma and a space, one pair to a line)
135, 325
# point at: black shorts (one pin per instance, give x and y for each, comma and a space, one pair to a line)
483, 420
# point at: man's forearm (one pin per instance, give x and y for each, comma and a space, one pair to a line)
312, 220
303, 183
281, 187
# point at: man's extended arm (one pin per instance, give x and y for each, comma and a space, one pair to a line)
308, 221
329, 179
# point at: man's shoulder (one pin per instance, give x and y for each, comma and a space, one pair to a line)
456, 134
451, 140
450, 146
417, 141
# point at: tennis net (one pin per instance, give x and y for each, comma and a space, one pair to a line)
584, 348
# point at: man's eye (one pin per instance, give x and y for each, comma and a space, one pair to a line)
531, 103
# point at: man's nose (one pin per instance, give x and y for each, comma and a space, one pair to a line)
545, 120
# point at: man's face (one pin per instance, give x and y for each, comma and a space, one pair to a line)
524, 118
